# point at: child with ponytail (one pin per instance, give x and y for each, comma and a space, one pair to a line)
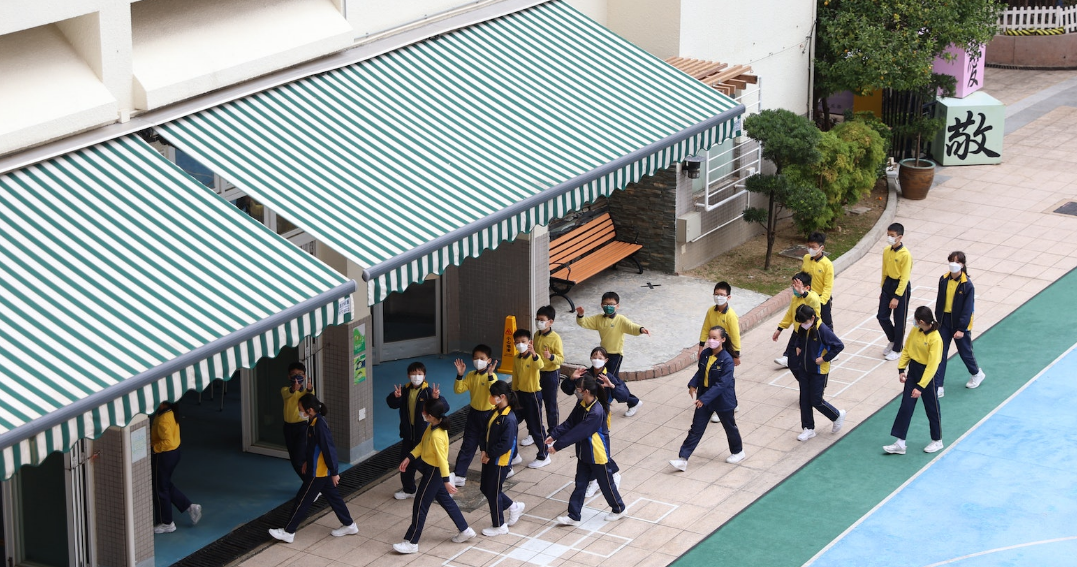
916, 370
497, 447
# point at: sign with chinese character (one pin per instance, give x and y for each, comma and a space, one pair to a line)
973, 130
967, 70
359, 353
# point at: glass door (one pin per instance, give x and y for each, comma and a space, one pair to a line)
408, 323
263, 406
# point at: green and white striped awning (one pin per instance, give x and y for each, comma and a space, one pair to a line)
127, 283
419, 158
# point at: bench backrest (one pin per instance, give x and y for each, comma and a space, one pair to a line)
582, 240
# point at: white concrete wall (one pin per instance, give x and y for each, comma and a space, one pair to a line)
597, 10
654, 25
773, 41
370, 17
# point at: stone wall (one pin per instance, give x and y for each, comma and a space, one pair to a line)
649, 208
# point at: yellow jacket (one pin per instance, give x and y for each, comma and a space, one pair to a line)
790, 314
479, 386
525, 373
822, 276
925, 348
434, 450
164, 432
611, 330
552, 341
897, 264
727, 321
291, 403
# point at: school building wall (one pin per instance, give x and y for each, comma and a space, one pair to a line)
647, 212
114, 494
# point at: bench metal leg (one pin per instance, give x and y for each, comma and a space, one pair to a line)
634, 260
571, 305
560, 288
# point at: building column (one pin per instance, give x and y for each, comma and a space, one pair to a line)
123, 491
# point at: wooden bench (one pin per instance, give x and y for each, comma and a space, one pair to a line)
584, 252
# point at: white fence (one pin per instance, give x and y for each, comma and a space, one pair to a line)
1034, 18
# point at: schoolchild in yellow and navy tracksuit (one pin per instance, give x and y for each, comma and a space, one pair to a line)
586, 429
409, 400
165, 441
295, 426
814, 345
320, 469
526, 369
615, 390
916, 369
954, 309
714, 390
432, 460
611, 328
478, 383
896, 290
498, 446
821, 270
803, 294
547, 340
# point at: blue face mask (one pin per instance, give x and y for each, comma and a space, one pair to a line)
609, 309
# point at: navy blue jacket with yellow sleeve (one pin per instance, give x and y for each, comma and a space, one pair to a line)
963, 307
813, 343
321, 452
408, 430
500, 438
715, 388
586, 429
620, 390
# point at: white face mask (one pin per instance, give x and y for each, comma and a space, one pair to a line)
806, 325
521, 347
579, 395
813, 252
541, 325
720, 300
598, 362
480, 365
891, 240
417, 379
713, 343
955, 267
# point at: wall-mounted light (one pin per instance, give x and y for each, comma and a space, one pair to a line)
691, 166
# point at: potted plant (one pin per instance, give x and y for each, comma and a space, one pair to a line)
916, 174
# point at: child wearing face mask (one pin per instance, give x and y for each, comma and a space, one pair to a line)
815, 345
549, 346
409, 400
713, 390
896, 290
431, 458
821, 270
721, 315
916, 370
477, 382
526, 368
615, 389
802, 295
320, 476
612, 329
954, 310
497, 446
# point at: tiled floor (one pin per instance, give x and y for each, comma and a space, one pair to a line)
999, 215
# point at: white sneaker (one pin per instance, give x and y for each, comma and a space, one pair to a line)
345, 530
614, 516
933, 447
195, 513
715, 418
632, 410
463, 536
539, 463
165, 528
494, 532
280, 534
592, 488
976, 379
734, 459
889, 348
680, 464
527, 441
895, 449
566, 521
457, 481
401, 495
617, 480
941, 392
517, 459
510, 474
892, 355
838, 422
807, 434
515, 511
782, 361
406, 547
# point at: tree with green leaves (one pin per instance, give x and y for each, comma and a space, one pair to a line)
786, 140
